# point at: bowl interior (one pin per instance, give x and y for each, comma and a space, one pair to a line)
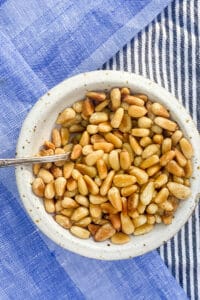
37, 128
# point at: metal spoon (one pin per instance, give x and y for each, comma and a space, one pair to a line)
6, 162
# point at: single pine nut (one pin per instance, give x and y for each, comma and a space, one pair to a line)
80, 213
125, 91
149, 162
115, 97
147, 194
79, 232
60, 184
176, 136
87, 108
128, 190
77, 106
97, 199
96, 96
84, 222
97, 138
106, 147
153, 170
167, 157
68, 148
76, 152
86, 170
117, 118
114, 198
123, 180
38, 187
128, 148
49, 145
143, 229
151, 219
63, 221
182, 161
115, 221
104, 127
156, 129
165, 123
114, 160
135, 146
49, 205
82, 200
150, 150
152, 208
127, 224
71, 184
144, 122
67, 169
36, 168
188, 169
158, 139
111, 138
107, 183
145, 141
87, 149
186, 148
101, 105
66, 115
91, 185
82, 187
102, 168
140, 132
126, 123
135, 111
45, 175
180, 191
92, 129
85, 139
159, 110
139, 221
95, 211
93, 228
166, 145
166, 205
49, 191
108, 208
141, 176
161, 180
173, 168
132, 100
125, 161
98, 117
178, 179
64, 134
92, 158
120, 238
71, 194
58, 206
104, 232
69, 203
142, 96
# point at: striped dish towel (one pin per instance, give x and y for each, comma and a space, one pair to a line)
43, 42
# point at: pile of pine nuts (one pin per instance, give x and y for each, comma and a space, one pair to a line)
129, 167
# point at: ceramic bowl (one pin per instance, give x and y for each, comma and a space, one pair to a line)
37, 128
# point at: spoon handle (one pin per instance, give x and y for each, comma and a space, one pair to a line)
31, 160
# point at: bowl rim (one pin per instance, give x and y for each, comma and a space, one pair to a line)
62, 88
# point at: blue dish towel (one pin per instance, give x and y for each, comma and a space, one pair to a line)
42, 43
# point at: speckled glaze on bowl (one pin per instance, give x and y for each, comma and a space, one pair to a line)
37, 128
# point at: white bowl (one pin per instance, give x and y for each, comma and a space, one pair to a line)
37, 128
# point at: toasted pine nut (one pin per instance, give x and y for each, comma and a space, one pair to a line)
60, 184
104, 232
153, 170
76, 152
115, 199
147, 194
165, 158
132, 100
106, 147
49, 205
139, 221
96, 96
149, 162
97, 199
87, 108
165, 123
45, 175
160, 181
95, 211
142, 96
125, 106
141, 175
68, 148
116, 221
71, 184
140, 132
92, 158
144, 122
66, 115
151, 219
108, 208
91, 185
82, 187
120, 238
85, 139
110, 137
71, 194
143, 229
93, 228
158, 139
86, 170
180, 191
126, 123
127, 224
186, 148
176, 136
79, 232
36, 168
69, 203
145, 141
49, 145
76, 128
82, 200
107, 183
98, 117
79, 213
84, 222
77, 106
64, 134
173, 168
92, 129
150, 150
102, 168
128, 190
135, 146
188, 169
182, 161
47, 152
136, 111
158, 219
67, 169
166, 145
152, 208
156, 129
97, 138
101, 105
159, 110
123, 180
117, 118
87, 149
114, 160
125, 161
104, 127
178, 179
49, 191
125, 91
98, 181
56, 138
166, 205
115, 97
63, 221
38, 187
